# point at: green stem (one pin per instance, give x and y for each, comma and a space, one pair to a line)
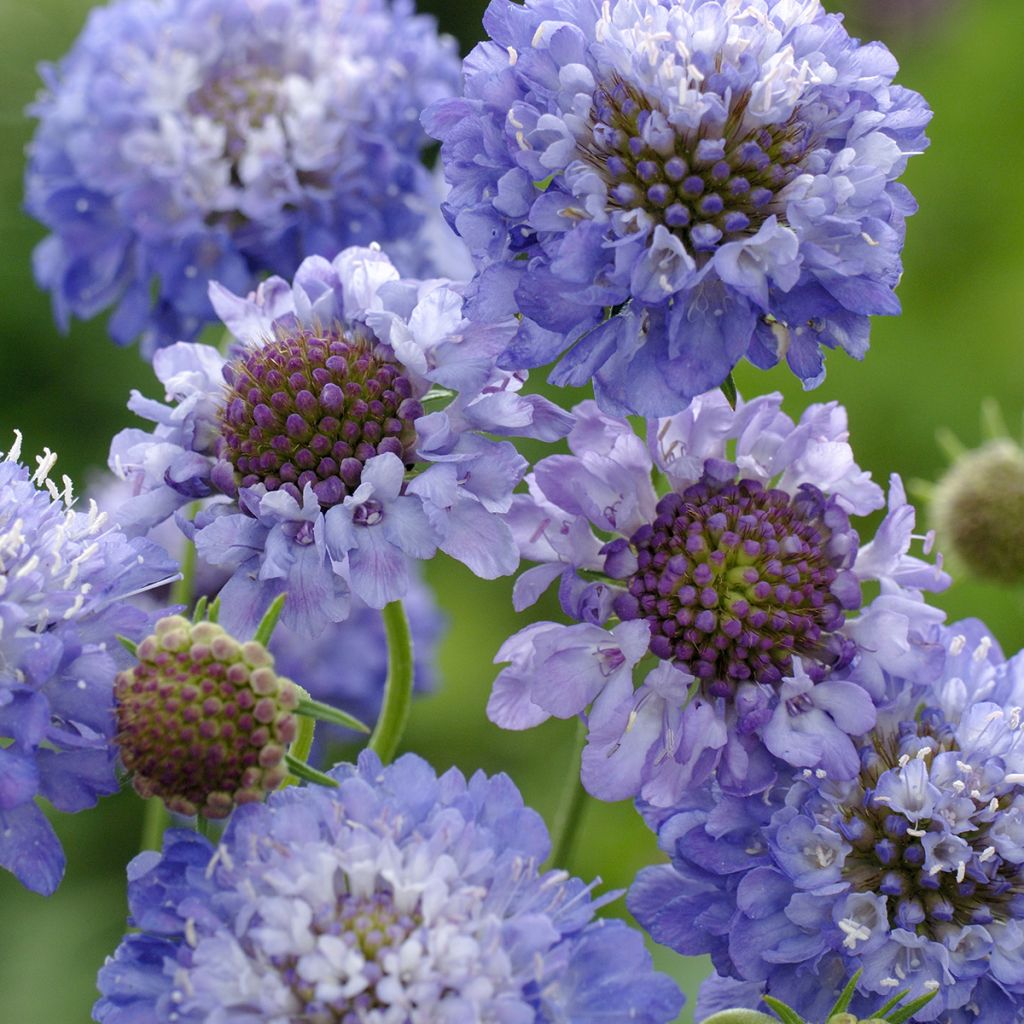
571, 806
154, 824
394, 712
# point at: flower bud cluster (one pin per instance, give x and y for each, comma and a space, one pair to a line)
204, 722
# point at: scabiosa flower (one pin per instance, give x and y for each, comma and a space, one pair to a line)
397, 896
65, 577
741, 581
910, 872
662, 187
184, 141
314, 432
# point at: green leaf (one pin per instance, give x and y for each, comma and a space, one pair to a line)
129, 645
301, 770
213, 612
729, 390
845, 996
905, 1012
200, 609
893, 1003
785, 1014
266, 627
326, 713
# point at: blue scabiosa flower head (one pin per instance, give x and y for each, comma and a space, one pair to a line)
671, 185
910, 872
343, 436
184, 141
743, 582
65, 577
397, 896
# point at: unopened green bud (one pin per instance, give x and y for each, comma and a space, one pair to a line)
203, 721
978, 511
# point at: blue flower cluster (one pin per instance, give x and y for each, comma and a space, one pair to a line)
397, 896
744, 581
65, 580
648, 191
911, 872
662, 187
185, 141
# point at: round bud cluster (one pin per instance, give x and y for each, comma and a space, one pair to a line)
203, 720
978, 510
311, 407
705, 190
734, 580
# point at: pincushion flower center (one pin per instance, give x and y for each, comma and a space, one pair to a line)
734, 580
708, 185
311, 406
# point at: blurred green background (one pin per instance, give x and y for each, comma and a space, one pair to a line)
958, 341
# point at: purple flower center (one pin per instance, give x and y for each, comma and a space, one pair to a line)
311, 407
734, 580
705, 190
203, 721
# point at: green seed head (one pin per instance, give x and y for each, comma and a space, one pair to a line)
203, 720
978, 511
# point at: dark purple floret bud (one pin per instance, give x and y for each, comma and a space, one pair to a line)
203, 720
692, 184
734, 580
312, 407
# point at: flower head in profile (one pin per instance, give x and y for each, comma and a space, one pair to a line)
65, 579
911, 872
739, 588
342, 436
672, 185
184, 141
397, 896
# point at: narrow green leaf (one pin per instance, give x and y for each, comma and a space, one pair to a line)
729, 390
213, 612
325, 713
845, 996
302, 770
129, 645
893, 1003
266, 627
785, 1014
200, 611
905, 1012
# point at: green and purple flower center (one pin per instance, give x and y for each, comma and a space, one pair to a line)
238, 100
704, 190
311, 407
203, 721
735, 579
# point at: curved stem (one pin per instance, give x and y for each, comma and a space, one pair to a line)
394, 712
570, 807
154, 823
182, 591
